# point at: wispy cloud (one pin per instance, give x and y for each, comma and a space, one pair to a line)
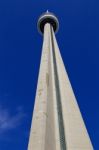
8, 121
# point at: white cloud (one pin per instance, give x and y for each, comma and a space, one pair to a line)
8, 121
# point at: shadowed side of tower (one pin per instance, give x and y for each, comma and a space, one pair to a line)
57, 123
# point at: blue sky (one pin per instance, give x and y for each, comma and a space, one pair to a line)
20, 51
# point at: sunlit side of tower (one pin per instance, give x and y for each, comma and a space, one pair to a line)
57, 123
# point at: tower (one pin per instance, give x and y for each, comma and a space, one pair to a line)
57, 123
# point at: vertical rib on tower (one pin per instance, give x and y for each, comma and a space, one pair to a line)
57, 123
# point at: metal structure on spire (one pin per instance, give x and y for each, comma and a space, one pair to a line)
57, 123
47, 18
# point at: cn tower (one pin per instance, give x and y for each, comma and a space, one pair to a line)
57, 123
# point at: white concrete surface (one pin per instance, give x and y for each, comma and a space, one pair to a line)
45, 131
